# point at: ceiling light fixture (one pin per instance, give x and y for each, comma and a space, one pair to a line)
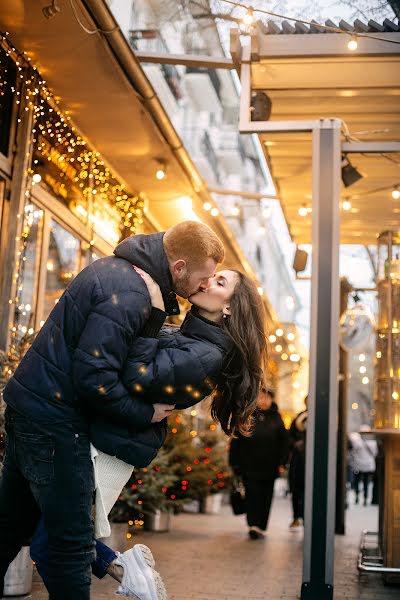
396, 193
346, 205
51, 10
350, 174
161, 171
261, 106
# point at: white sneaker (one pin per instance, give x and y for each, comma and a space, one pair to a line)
140, 579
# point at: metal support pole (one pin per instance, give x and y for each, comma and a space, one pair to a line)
323, 392
341, 470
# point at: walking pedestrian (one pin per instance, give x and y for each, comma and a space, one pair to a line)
362, 460
297, 444
257, 460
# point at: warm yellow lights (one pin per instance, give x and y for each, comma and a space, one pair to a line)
303, 211
395, 396
207, 206
363, 369
272, 339
284, 356
361, 358
248, 18
36, 178
354, 406
278, 348
260, 290
161, 171
279, 332
235, 211
353, 43
396, 193
214, 212
291, 336
346, 205
365, 380
295, 357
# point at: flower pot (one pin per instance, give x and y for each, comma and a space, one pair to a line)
211, 504
158, 521
18, 579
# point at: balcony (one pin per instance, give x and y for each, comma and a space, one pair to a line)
203, 153
204, 88
231, 151
151, 40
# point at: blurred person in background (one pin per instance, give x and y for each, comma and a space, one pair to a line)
297, 444
362, 461
258, 460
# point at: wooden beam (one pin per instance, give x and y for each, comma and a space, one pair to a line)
188, 60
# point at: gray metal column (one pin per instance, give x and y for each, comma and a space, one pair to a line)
319, 518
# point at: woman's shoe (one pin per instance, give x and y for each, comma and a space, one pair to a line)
140, 579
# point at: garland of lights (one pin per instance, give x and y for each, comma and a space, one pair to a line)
55, 138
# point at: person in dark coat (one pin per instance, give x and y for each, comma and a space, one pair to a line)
72, 372
297, 441
216, 347
257, 460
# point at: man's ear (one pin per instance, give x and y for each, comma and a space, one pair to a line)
179, 267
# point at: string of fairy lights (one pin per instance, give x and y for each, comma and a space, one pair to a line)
82, 179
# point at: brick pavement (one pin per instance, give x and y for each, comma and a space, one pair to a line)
208, 557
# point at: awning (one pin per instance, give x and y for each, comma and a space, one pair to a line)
309, 74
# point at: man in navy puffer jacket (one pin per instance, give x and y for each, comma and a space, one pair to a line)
72, 371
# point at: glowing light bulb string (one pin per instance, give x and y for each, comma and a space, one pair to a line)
311, 23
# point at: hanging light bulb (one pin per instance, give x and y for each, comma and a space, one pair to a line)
161, 171
248, 18
353, 43
346, 205
303, 211
396, 193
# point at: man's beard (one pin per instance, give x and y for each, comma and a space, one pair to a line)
182, 287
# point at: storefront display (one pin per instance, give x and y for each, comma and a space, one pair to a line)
387, 389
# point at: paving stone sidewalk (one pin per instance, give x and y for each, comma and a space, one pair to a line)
208, 557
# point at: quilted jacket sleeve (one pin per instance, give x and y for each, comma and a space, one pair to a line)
174, 369
113, 322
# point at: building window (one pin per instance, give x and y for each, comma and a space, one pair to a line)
62, 265
26, 308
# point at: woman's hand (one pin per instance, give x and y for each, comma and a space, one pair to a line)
161, 411
153, 287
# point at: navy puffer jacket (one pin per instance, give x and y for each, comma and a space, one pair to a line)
74, 365
178, 368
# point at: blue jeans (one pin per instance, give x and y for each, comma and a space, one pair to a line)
48, 471
40, 554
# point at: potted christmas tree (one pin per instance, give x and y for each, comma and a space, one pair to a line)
147, 499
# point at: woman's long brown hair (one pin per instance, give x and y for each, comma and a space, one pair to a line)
235, 396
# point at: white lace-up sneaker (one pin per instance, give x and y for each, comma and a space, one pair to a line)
140, 579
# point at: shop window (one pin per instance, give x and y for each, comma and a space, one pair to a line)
62, 264
7, 90
26, 307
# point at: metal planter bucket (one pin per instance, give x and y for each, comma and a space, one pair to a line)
211, 504
158, 521
18, 579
